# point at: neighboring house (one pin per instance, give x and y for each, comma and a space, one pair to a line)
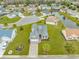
44, 6
56, 7
11, 15
73, 13
6, 36
31, 8
71, 34
63, 10
14, 1
53, 20
31, 1
1, 10
39, 32
14, 14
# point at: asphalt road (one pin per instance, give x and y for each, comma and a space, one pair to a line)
24, 21
27, 20
43, 57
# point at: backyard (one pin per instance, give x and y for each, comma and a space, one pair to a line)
5, 19
21, 40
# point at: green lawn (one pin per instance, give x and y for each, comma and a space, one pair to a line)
5, 19
55, 43
22, 38
75, 46
74, 19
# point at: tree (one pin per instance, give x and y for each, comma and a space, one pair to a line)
51, 10
27, 2
14, 25
38, 12
21, 28
50, 5
78, 10
5, 24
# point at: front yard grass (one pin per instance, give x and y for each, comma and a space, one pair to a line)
5, 19
22, 38
75, 46
55, 43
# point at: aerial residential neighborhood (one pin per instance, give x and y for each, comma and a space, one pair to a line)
38, 28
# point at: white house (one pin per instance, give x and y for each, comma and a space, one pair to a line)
39, 32
71, 34
53, 20
6, 36
44, 6
14, 14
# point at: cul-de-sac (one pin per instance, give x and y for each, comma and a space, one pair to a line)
39, 27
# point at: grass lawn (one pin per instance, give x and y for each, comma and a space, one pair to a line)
74, 19
55, 43
22, 38
5, 19
75, 46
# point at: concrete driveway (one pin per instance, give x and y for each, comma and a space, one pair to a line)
33, 51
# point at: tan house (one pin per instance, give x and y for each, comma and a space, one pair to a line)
53, 20
71, 34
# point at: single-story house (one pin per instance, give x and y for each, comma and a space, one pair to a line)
56, 7
71, 34
63, 10
14, 14
53, 20
44, 6
39, 32
2, 10
6, 36
31, 8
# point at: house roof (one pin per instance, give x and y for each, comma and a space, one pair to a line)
34, 35
43, 30
70, 32
6, 33
52, 19
38, 30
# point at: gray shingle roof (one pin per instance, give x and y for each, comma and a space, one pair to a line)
38, 30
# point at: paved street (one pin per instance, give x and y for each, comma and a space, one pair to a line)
43, 57
23, 21
27, 20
